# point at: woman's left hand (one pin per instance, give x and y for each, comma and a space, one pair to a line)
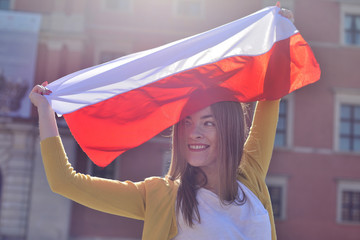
286, 13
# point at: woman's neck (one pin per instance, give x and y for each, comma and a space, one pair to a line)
212, 184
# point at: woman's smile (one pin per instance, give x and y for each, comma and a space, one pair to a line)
198, 147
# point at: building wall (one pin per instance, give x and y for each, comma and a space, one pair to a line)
312, 165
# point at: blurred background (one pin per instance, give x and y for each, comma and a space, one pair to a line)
314, 177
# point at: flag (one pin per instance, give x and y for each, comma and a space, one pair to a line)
121, 104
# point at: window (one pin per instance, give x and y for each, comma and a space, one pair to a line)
86, 166
284, 131
103, 172
350, 24
350, 206
5, 4
352, 29
276, 200
277, 186
348, 202
281, 129
189, 8
347, 120
350, 127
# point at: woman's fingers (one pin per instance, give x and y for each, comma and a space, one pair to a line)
45, 90
42, 89
38, 89
287, 13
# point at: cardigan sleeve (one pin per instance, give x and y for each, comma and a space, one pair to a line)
259, 145
120, 198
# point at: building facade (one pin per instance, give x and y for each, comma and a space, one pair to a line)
314, 177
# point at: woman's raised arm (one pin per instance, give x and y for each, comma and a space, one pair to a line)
47, 121
259, 145
111, 196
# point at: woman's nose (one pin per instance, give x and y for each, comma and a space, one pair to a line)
196, 132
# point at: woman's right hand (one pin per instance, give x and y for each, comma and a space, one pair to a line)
37, 96
47, 121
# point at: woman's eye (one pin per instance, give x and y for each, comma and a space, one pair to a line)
209, 123
187, 122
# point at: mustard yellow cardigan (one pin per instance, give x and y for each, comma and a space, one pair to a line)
153, 200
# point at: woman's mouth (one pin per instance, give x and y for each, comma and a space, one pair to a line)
197, 147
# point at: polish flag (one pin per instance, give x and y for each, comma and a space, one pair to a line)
121, 104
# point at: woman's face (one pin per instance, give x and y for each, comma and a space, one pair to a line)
200, 135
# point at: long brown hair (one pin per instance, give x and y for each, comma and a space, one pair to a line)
230, 124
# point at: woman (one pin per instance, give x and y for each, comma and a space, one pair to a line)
215, 187
185, 204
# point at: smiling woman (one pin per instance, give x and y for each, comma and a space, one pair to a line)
207, 148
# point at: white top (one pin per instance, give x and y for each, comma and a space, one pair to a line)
218, 221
